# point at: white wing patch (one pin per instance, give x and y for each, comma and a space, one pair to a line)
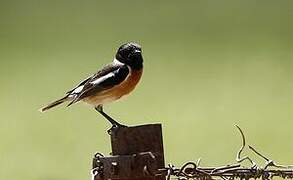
77, 90
101, 79
97, 81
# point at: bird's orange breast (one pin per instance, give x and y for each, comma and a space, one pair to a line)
117, 91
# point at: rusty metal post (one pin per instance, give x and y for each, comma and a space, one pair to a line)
137, 154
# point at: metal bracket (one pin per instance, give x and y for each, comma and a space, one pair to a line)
124, 166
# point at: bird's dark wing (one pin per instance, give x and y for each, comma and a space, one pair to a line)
107, 69
79, 85
108, 77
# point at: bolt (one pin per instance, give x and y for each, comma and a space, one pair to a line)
114, 168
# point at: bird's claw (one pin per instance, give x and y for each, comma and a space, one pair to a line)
115, 128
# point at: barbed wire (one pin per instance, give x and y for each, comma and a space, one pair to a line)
193, 170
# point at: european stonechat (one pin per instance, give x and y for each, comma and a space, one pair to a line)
110, 83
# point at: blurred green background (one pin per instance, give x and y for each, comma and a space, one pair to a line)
208, 65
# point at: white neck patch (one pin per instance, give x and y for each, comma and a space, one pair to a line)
115, 61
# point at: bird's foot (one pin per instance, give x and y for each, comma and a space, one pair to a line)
115, 128
115, 124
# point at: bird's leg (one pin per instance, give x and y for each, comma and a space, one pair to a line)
114, 123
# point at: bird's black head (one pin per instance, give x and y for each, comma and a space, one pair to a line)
130, 54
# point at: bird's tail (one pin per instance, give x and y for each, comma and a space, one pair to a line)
53, 104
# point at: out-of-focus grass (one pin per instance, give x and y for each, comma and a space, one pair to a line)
208, 65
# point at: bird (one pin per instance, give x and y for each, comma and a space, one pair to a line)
109, 84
